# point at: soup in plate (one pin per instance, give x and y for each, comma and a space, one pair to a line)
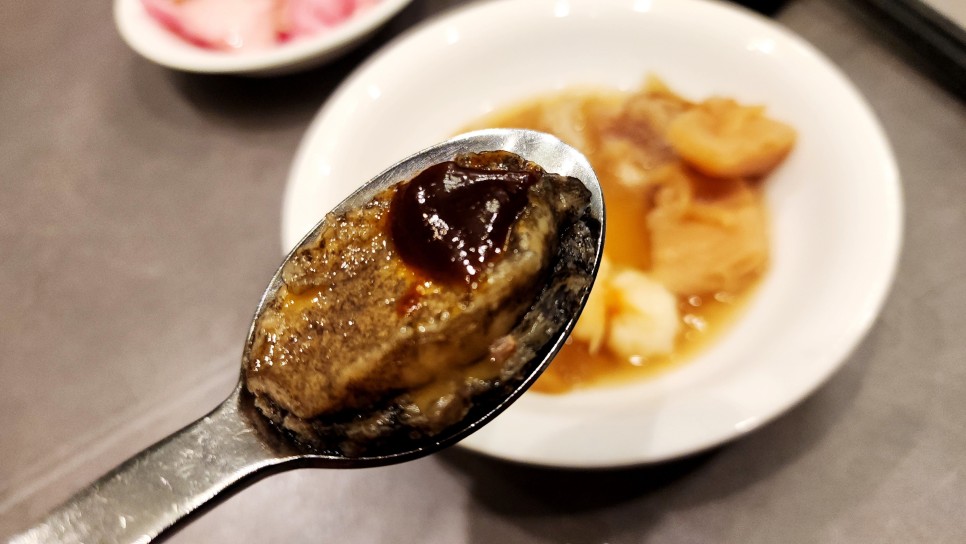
687, 227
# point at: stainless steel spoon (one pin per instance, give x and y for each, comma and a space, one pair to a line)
233, 446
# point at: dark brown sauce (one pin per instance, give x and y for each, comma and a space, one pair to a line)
450, 221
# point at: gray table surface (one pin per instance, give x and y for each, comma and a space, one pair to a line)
139, 222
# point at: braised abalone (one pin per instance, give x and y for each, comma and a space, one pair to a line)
403, 311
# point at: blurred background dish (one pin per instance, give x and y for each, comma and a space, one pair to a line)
149, 37
835, 204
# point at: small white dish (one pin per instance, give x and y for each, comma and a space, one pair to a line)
835, 204
151, 40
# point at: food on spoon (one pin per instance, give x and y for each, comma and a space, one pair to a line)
409, 307
591, 328
687, 229
235, 25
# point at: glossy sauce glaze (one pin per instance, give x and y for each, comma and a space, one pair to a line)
450, 221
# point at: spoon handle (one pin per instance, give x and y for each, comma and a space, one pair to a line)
160, 487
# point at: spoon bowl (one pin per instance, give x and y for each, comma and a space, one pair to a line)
234, 445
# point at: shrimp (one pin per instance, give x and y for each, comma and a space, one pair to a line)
645, 319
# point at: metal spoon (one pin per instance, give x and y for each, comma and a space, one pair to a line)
165, 485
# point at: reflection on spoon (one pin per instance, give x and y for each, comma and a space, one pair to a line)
341, 420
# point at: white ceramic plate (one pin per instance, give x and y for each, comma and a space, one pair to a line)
154, 42
835, 204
